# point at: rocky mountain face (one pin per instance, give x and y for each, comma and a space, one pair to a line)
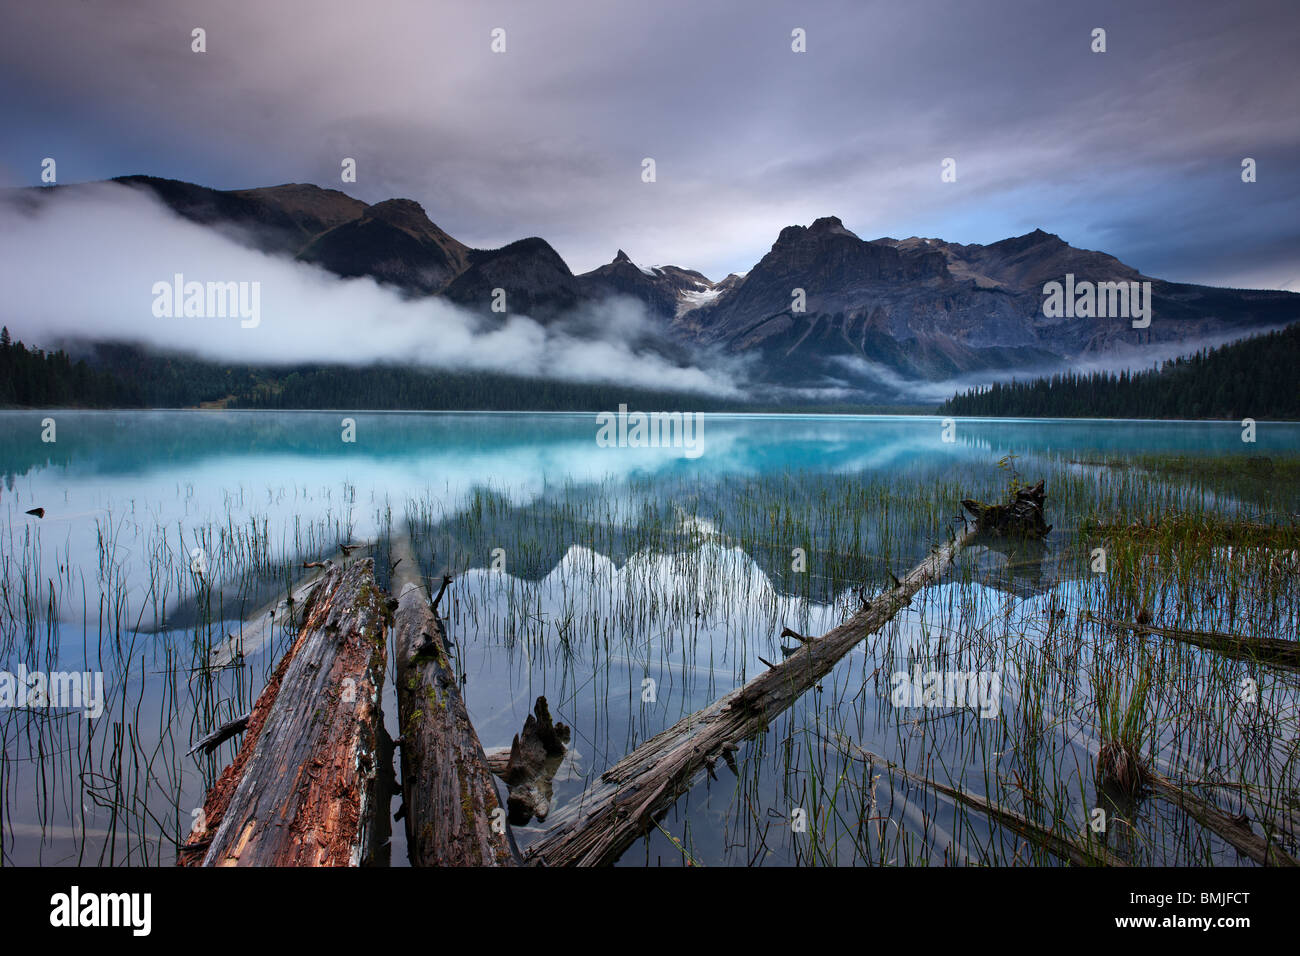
280, 219
536, 281
929, 309
873, 311
667, 291
392, 241
395, 242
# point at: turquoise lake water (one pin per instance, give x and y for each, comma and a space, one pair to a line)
128, 496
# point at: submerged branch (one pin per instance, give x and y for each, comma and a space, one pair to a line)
1055, 843
1279, 652
1235, 830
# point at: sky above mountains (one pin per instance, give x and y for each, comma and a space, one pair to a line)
1136, 151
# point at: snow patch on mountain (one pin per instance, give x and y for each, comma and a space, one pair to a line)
688, 300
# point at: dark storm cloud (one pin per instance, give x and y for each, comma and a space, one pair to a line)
1135, 151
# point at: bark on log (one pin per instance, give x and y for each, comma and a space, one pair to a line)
1022, 517
608, 818
307, 787
450, 798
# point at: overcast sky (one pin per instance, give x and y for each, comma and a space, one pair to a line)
1136, 151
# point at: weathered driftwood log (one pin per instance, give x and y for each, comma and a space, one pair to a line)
1022, 517
530, 765
453, 815
307, 787
608, 818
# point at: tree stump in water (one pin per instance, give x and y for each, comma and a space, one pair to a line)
535, 755
1022, 518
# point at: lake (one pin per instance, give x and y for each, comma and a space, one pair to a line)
632, 586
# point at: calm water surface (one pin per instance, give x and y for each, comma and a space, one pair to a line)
102, 583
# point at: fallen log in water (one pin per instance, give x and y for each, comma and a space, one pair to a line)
1080, 854
307, 787
1279, 652
453, 815
1235, 830
608, 818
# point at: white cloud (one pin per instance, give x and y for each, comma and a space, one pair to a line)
84, 265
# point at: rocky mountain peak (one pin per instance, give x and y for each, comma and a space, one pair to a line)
829, 225
923, 308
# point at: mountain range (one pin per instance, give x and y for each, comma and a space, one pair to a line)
879, 313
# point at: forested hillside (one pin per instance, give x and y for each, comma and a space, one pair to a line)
1253, 378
